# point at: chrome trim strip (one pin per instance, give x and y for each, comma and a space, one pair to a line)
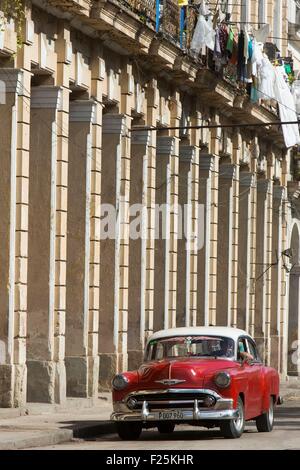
173, 390
187, 415
223, 404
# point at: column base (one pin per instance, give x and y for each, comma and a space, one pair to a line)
82, 376
12, 385
107, 370
46, 382
135, 359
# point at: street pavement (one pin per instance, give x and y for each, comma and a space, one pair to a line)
286, 435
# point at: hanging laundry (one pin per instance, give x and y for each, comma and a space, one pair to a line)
229, 45
241, 64
204, 35
250, 49
203, 9
246, 46
220, 55
234, 56
257, 56
287, 108
223, 38
262, 34
266, 79
296, 95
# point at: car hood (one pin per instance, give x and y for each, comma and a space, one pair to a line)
180, 372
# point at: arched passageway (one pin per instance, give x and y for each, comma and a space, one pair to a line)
293, 362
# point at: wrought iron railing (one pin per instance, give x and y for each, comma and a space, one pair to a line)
166, 16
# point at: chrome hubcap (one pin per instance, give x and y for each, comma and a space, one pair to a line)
271, 414
238, 422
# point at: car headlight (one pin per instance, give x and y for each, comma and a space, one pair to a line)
119, 382
222, 379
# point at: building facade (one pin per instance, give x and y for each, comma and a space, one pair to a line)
94, 117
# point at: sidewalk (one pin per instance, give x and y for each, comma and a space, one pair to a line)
42, 425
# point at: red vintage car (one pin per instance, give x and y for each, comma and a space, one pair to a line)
203, 376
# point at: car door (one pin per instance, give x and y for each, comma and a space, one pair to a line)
256, 383
252, 373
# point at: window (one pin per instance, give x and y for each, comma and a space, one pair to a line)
252, 350
277, 23
245, 11
190, 346
262, 11
242, 347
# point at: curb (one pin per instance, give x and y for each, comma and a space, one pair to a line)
40, 440
36, 438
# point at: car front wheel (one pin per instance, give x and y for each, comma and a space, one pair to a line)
129, 431
234, 428
166, 428
265, 422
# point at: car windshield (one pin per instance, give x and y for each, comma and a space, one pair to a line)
190, 346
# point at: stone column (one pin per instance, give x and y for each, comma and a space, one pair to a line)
165, 149
262, 264
111, 327
214, 149
284, 282
152, 95
206, 254
277, 249
138, 246
14, 152
186, 313
62, 141
46, 372
82, 361
225, 245
253, 237
244, 251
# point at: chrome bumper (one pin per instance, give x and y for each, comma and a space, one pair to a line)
219, 412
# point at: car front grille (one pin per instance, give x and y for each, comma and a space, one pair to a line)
157, 401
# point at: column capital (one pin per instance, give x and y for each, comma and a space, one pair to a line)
13, 80
82, 111
186, 153
227, 171
263, 186
46, 97
114, 124
247, 179
206, 161
141, 136
165, 145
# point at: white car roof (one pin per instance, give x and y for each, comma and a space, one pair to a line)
226, 331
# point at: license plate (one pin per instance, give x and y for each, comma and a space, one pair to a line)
172, 414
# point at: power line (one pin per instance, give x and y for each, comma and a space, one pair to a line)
212, 126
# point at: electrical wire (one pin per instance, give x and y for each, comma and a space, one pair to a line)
213, 126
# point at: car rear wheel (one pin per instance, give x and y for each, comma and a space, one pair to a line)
129, 431
265, 422
234, 428
166, 428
